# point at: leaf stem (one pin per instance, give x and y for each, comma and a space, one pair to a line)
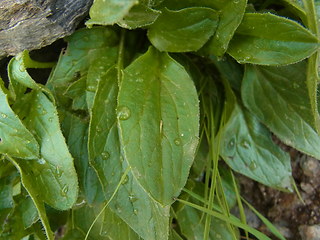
120, 56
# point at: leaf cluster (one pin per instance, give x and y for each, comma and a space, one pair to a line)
144, 120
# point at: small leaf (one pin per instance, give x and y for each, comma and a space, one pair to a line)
109, 12
85, 48
15, 139
139, 16
34, 190
183, 30
268, 39
288, 112
231, 15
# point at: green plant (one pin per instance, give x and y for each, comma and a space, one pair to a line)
128, 139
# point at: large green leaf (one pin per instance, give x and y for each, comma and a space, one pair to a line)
268, 39
231, 14
158, 118
132, 203
109, 12
278, 96
15, 139
54, 173
183, 30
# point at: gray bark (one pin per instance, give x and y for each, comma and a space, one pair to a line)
32, 24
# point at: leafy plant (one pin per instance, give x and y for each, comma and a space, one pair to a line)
143, 121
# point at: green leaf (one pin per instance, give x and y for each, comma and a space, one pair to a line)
268, 39
139, 16
183, 30
28, 212
85, 48
109, 12
75, 130
288, 112
247, 147
158, 124
191, 223
132, 203
114, 228
54, 173
15, 139
34, 192
231, 15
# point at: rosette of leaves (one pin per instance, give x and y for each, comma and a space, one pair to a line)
150, 113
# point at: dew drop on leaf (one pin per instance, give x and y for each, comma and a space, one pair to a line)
105, 155
41, 161
50, 119
64, 190
177, 141
135, 211
132, 198
22, 68
4, 115
91, 88
253, 165
58, 171
231, 143
245, 144
125, 180
124, 113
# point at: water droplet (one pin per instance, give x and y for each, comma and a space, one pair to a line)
125, 180
22, 68
118, 208
132, 198
58, 171
181, 134
177, 141
64, 190
41, 161
253, 165
105, 155
295, 85
135, 211
245, 144
4, 115
124, 113
91, 88
231, 143
98, 129
139, 80
44, 112
50, 119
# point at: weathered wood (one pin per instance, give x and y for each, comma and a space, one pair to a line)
32, 24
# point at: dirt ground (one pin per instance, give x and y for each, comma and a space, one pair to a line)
295, 219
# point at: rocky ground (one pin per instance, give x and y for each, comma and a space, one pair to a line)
295, 219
